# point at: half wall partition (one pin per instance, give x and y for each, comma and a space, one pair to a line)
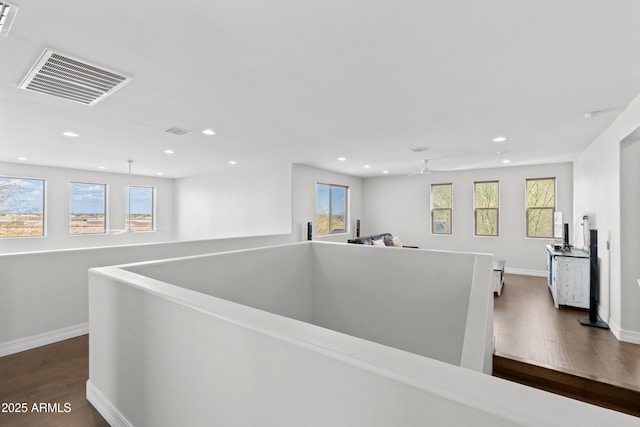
310, 334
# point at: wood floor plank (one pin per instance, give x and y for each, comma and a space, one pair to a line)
52, 375
549, 349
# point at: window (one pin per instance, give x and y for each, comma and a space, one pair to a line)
139, 207
541, 204
487, 204
88, 208
441, 208
21, 207
331, 209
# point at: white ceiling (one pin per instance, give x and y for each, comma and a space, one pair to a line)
309, 81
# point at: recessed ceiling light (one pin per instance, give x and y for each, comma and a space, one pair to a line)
209, 132
100, 167
385, 172
70, 134
233, 162
168, 151
499, 139
342, 159
367, 166
22, 159
160, 174
506, 161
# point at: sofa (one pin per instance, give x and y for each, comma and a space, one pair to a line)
382, 239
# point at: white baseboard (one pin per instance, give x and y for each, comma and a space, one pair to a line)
624, 335
27, 343
525, 272
105, 408
632, 337
615, 329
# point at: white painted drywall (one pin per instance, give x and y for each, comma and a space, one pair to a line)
275, 279
305, 179
43, 292
235, 203
401, 205
597, 193
630, 239
161, 355
159, 363
43, 289
415, 300
57, 208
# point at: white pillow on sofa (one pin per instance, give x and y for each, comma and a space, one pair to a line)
396, 242
378, 242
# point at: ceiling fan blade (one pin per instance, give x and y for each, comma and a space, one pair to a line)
425, 169
117, 231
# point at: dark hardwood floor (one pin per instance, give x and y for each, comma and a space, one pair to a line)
539, 345
53, 378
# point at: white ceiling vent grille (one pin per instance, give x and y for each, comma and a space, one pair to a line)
420, 149
177, 131
73, 79
7, 15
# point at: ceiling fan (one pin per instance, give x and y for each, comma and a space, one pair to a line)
425, 169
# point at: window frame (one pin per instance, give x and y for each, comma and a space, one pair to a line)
127, 214
105, 208
449, 210
476, 208
528, 209
44, 208
330, 211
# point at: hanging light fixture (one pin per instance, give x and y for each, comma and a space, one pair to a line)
128, 227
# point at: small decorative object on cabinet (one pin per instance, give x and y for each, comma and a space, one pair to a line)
568, 277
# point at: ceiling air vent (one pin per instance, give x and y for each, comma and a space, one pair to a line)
420, 149
177, 131
7, 14
70, 78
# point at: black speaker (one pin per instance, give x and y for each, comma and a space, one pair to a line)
565, 234
309, 231
357, 228
594, 284
593, 276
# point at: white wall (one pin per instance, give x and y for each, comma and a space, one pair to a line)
397, 297
274, 279
305, 179
258, 201
43, 290
415, 300
236, 203
57, 208
401, 206
43, 295
159, 354
597, 193
630, 238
